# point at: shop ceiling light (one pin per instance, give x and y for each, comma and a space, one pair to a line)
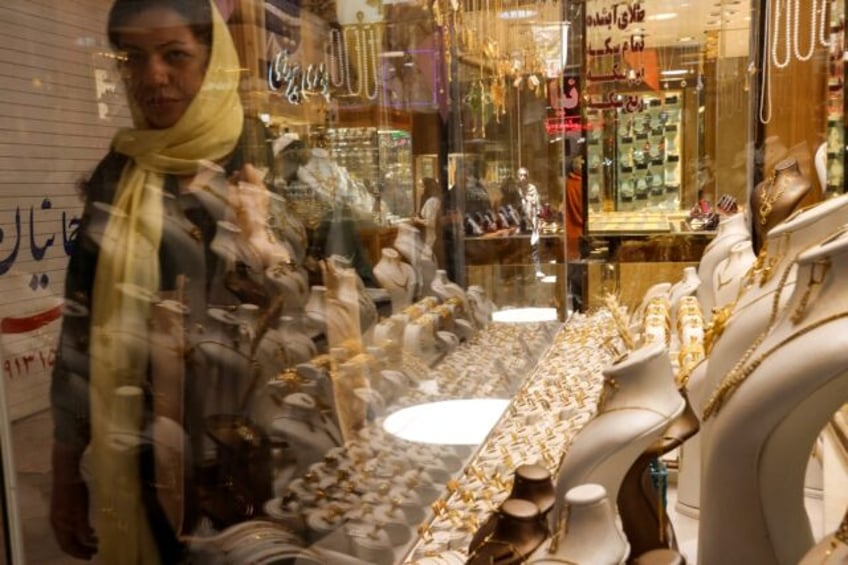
524, 315
517, 14
662, 16
674, 72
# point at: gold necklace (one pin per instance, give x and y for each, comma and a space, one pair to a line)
721, 317
762, 267
724, 283
741, 371
768, 200
771, 261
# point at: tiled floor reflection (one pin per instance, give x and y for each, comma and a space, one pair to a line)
31, 439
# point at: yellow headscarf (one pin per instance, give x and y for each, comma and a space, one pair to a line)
126, 283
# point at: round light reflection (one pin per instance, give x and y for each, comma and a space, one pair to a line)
531, 314
448, 422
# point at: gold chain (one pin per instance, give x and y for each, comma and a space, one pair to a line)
842, 533
767, 201
741, 371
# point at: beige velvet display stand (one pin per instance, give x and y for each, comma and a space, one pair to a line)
639, 402
754, 459
587, 534
729, 274
750, 317
687, 286
731, 230
397, 277
776, 198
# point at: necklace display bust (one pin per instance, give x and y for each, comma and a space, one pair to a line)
639, 401
409, 244
765, 415
731, 230
751, 315
774, 199
586, 533
729, 273
397, 277
446, 289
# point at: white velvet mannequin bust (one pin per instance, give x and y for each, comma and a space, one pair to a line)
731, 230
389, 329
322, 175
820, 160
315, 309
640, 400
588, 533
397, 277
298, 420
752, 503
409, 244
341, 304
749, 319
481, 307
419, 336
686, 286
227, 246
224, 357
755, 307
728, 274
445, 289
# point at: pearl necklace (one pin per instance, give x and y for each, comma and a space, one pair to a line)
335, 56
347, 71
366, 59
792, 33
370, 49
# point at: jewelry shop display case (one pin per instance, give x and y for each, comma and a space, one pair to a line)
468, 296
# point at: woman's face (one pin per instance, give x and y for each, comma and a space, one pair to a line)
165, 64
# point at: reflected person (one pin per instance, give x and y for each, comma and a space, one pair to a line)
531, 205
126, 403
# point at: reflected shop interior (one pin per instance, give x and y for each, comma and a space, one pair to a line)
424, 282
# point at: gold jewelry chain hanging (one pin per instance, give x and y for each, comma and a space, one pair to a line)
739, 374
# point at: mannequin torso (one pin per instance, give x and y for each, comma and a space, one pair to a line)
397, 277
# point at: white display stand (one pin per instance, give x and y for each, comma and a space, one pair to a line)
754, 459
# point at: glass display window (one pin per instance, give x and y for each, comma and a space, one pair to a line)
345, 282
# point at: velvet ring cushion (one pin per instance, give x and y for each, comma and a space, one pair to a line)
519, 529
397, 277
531, 483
